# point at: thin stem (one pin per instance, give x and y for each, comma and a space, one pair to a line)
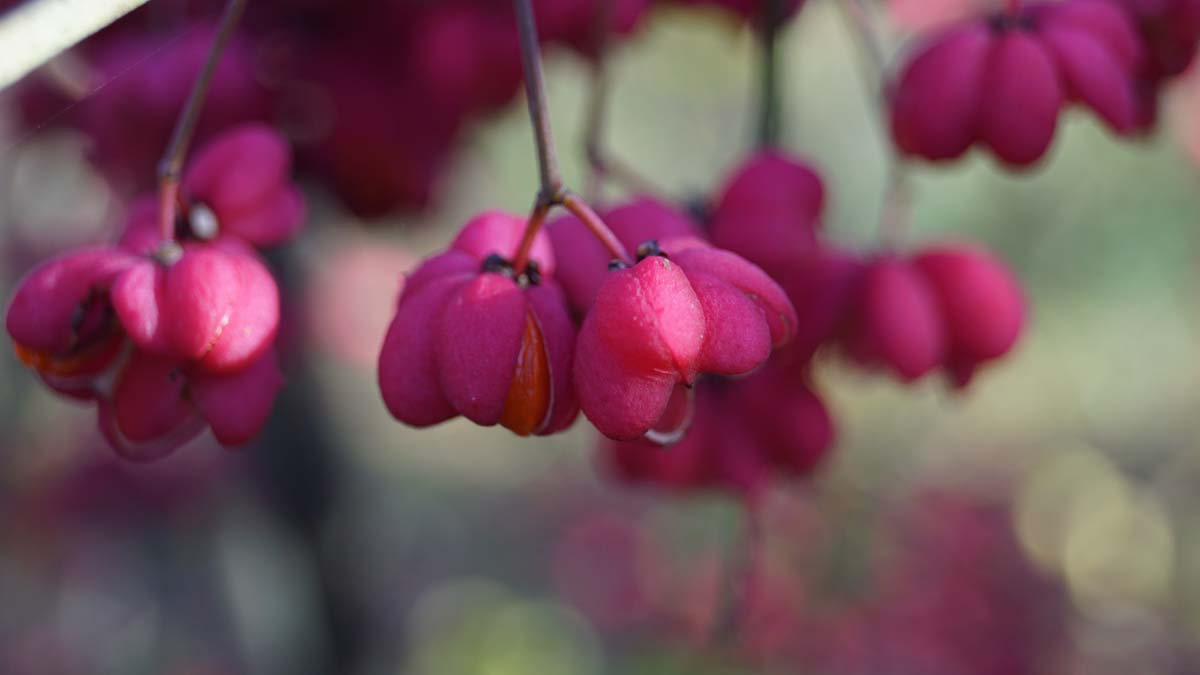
579, 208
597, 105
535, 91
770, 114
896, 207
602, 165
551, 192
895, 215
607, 166
872, 43
537, 216
171, 166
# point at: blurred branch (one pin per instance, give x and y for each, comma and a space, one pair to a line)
770, 115
552, 192
871, 40
539, 108
39, 30
896, 209
601, 164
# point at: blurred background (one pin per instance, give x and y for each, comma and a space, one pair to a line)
1046, 520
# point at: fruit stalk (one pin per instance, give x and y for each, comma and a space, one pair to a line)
171, 165
539, 109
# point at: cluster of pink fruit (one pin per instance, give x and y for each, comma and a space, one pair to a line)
652, 350
1002, 79
953, 305
172, 329
662, 329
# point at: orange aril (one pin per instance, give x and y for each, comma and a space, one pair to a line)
528, 401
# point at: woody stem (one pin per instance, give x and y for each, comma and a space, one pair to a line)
171, 165
551, 191
539, 110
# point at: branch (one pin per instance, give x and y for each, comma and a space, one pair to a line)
602, 165
171, 166
552, 191
770, 114
539, 109
39, 30
871, 41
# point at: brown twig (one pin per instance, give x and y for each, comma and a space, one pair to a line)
539, 109
551, 191
592, 220
171, 165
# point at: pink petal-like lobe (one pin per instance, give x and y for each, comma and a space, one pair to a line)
479, 336
237, 405
1021, 99
936, 106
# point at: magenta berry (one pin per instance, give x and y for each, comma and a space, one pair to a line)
165, 347
700, 260
1096, 52
244, 178
465, 58
936, 104
669, 318
1170, 31
172, 336
217, 304
790, 424
824, 288
898, 324
953, 306
644, 335
1021, 99
1002, 82
769, 211
238, 188
744, 433
470, 338
159, 403
980, 301
62, 322
644, 218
